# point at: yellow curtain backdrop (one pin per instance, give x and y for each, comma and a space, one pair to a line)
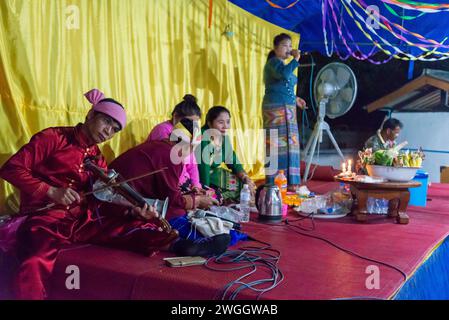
144, 53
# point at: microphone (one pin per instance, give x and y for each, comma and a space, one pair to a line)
203, 214
306, 65
300, 52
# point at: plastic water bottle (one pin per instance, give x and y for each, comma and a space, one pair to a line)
245, 198
377, 206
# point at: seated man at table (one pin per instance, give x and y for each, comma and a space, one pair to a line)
385, 138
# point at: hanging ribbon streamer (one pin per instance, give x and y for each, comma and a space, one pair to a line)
388, 24
274, 5
367, 34
210, 13
421, 46
432, 49
360, 55
334, 45
386, 42
357, 53
420, 6
389, 8
324, 14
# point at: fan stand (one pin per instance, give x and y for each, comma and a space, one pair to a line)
317, 136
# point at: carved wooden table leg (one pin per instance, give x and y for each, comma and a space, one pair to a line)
403, 203
361, 211
355, 203
393, 207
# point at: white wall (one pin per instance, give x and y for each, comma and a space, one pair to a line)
429, 130
330, 157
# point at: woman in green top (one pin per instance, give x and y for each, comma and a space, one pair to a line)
218, 164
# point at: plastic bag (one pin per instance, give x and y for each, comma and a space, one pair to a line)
377, 206
339, 201
226, 213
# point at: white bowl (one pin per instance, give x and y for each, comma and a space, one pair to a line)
399, 174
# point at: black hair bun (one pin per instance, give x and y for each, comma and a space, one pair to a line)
189, 98
188, 124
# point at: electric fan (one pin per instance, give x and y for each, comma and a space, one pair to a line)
335, 89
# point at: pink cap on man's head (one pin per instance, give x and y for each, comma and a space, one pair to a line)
110, 108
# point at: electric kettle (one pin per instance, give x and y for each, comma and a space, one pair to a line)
269, 203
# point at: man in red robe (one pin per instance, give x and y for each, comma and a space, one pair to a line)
169, 154
49, 172
153, 155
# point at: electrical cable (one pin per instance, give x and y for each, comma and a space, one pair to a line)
311, 174
266, 257
311, 85
305, 117
347, 250
252, 257
311, 215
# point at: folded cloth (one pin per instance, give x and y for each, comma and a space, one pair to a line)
211, 226
8, 233
186, 230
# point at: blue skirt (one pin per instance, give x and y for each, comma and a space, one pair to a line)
282, 145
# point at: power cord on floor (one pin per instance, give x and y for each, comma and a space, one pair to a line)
288, 223
310, 215
291, 226
252, 257
267, 258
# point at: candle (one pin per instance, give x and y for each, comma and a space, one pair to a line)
349, 165
343, 167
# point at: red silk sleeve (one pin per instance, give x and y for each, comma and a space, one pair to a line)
18, 170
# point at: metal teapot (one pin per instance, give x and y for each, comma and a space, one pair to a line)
269, 203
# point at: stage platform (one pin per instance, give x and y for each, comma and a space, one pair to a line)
312, 268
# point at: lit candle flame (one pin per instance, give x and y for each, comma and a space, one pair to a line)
343, 167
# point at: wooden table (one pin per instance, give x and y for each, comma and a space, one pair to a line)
396, 192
